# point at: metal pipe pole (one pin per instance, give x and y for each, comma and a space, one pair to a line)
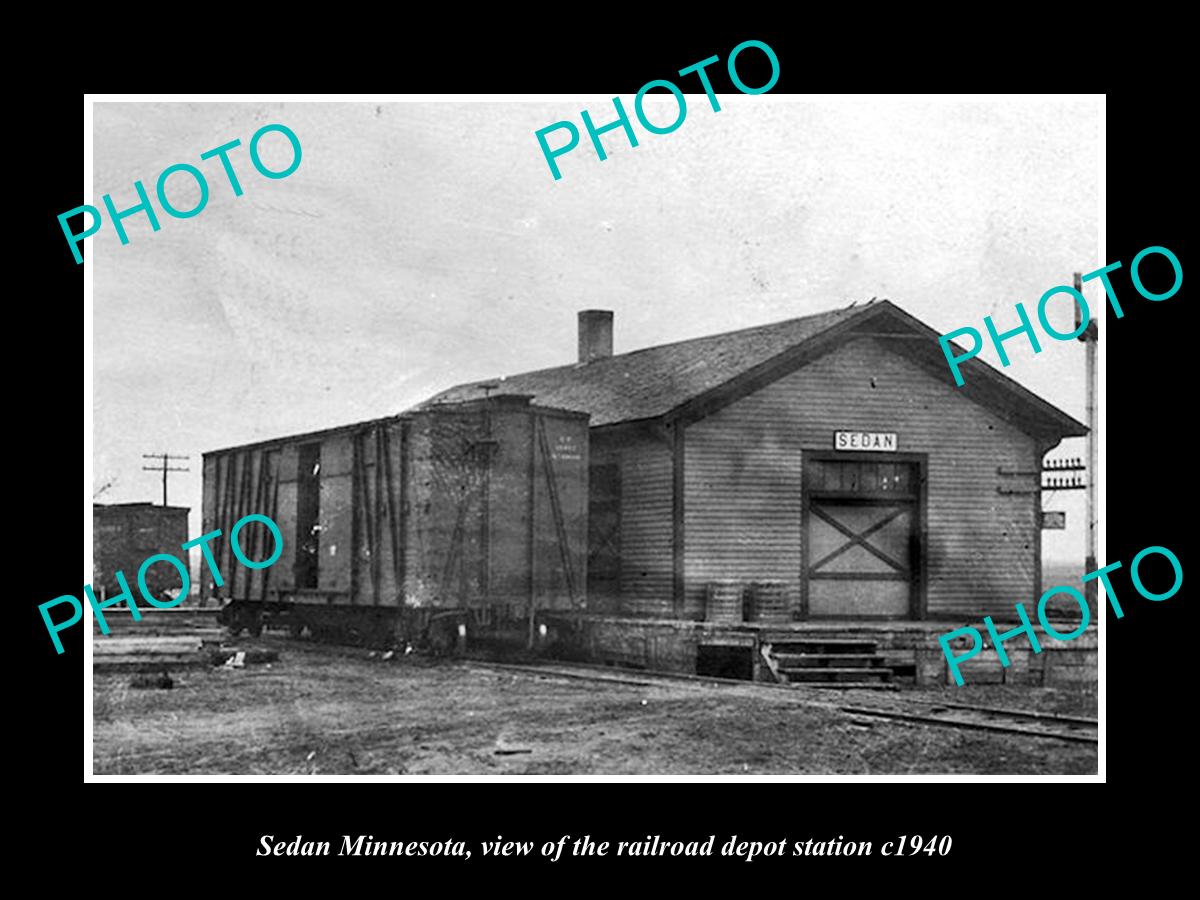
1093, 460
1090, 336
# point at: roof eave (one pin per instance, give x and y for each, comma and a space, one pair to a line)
1038, 417
1055, 421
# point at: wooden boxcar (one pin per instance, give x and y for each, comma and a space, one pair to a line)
465, 514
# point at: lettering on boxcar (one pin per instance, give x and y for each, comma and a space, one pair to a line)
565, 447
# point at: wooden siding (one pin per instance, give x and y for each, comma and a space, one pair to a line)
647, 569
743, 489
742, 496
284, 571
559, 556
237, 485
375, 501
413, 531
337, 526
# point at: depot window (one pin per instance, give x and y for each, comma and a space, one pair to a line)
861, 476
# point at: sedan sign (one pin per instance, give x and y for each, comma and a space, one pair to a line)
864, 440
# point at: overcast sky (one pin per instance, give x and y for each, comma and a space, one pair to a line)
420, 245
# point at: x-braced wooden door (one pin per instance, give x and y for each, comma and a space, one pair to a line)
861, 537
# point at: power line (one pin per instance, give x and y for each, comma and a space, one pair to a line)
164, 468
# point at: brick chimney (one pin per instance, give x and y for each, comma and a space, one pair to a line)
595, 334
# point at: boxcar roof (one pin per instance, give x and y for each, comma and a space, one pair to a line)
690, 376
466, 405
139, 504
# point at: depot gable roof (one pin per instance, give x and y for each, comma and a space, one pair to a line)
688, 379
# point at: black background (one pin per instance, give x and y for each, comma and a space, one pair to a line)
1003, 833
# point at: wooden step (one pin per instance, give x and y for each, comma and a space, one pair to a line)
823, 646
150, 645
812, 675
848, 685
806, 660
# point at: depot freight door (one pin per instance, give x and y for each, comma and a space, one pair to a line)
862, 535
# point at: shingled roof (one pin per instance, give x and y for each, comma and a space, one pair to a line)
649, 383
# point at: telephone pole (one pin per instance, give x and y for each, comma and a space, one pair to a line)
164, 468
1090, 336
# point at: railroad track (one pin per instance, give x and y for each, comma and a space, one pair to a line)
930, 712
985, 718
611, 675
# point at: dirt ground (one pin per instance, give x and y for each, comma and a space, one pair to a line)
333, 710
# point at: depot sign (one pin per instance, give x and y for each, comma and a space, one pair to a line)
864, 440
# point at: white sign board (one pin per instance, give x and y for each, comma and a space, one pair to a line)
864, 440
1054, 519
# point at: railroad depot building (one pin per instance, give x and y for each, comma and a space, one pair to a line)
810, 500
719, 459
821, 470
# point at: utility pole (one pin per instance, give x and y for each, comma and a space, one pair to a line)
1090, 336
164, 468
